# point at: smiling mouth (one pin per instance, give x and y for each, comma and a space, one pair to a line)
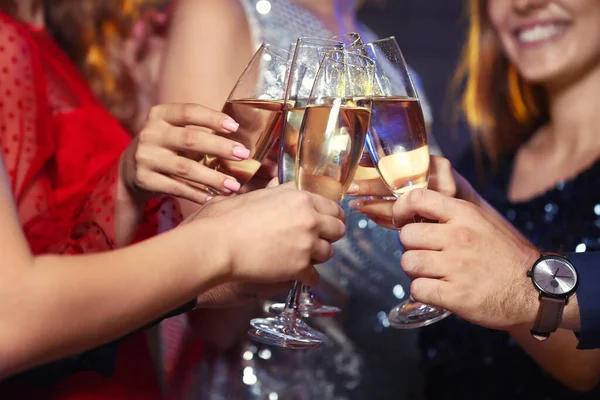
539, 33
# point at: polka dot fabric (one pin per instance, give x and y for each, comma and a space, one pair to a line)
61, 151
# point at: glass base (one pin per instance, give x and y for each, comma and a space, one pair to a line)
286, 330
266, 338
412, 314
308, 307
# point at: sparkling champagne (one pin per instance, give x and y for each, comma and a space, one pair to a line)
405, 171
292, 121
332, 139
398, 129
260, 126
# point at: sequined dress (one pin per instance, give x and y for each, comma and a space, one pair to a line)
364, 358
463, 361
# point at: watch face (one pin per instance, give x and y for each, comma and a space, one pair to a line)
555, 276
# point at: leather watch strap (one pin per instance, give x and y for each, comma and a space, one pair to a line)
548, 318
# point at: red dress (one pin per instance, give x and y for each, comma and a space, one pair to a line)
61, 150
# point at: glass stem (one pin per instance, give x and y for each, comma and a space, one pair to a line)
292, 303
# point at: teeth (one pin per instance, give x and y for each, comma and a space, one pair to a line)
538, 33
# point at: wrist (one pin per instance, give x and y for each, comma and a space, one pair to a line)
127, 192
530, 295
209, 250
555, 280
571, 318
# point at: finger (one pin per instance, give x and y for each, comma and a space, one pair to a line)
382, 221
326, 207
369, 187
426, 203
310, 276
423, 264
322, 252
155, 182
374, 207
166, 162
194, 114
331, 229
441, 176
192, 139
433, 292
425, 236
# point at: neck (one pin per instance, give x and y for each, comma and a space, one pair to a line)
574, 115
31, 11
338, 15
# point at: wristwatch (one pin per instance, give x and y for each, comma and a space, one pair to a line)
556, 279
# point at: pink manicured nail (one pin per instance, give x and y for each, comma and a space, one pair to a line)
138, 29
232, 185
355, 204
230, 125
240, 152
353, 188
208, 198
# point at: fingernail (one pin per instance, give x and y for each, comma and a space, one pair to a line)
355, 204
230, 125
209, 198
353, 188
232, 185
138, 29
240, 152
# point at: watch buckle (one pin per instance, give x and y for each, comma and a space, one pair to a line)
540, 336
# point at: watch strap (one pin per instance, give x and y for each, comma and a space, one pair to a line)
548, 318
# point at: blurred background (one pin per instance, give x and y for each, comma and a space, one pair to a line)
430, 33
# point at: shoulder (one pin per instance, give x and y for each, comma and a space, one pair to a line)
213, 12
211, 24
16, 47
12, 32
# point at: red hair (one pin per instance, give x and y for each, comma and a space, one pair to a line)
500, 107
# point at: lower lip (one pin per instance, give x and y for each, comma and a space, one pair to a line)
560, 32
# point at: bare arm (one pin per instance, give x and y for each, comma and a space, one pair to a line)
78, 302
207, 49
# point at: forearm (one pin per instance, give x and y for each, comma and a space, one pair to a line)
83, 301
578, 369
129, 212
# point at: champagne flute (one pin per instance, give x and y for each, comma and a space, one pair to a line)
306, 56
350, 40
397, 143
256, 102
331, 143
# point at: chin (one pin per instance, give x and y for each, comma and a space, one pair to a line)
540, 75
